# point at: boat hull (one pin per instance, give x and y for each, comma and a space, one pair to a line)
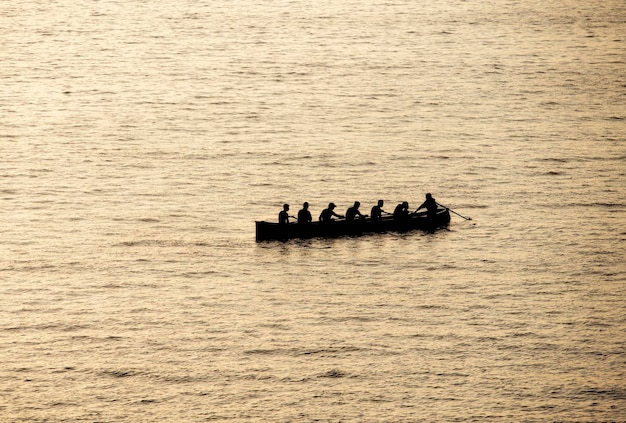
270, 231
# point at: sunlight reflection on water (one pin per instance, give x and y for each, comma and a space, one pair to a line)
141, 142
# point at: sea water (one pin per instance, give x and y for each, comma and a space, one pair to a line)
140, 141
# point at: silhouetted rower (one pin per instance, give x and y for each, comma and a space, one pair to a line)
377, 211
304, 215
327, 214
283, 216
353, 211
431, 207
401, 212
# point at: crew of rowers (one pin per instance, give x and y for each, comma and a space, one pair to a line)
400, 213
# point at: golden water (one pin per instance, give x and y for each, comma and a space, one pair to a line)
140, 141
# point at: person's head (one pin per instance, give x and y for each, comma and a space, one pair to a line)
305, 205
429, 196
357, 204
405, 204
380, 203
331, 205
285, 207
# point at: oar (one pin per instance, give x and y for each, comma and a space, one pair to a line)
460, 215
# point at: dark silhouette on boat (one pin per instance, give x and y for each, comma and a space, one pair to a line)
268, 231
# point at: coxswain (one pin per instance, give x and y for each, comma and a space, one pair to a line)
328, 213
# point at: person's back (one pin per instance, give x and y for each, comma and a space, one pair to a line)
430, 205
327, 214
401, 212
353, 211
377, 212
304, 215
283, 216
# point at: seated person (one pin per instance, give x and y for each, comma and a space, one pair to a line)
430, 205
401, 213
377, 211
327, 214
304, 215
353, 212
283, 216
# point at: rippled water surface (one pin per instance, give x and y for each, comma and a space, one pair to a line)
141, 140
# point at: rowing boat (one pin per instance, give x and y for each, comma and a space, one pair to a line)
268, 231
